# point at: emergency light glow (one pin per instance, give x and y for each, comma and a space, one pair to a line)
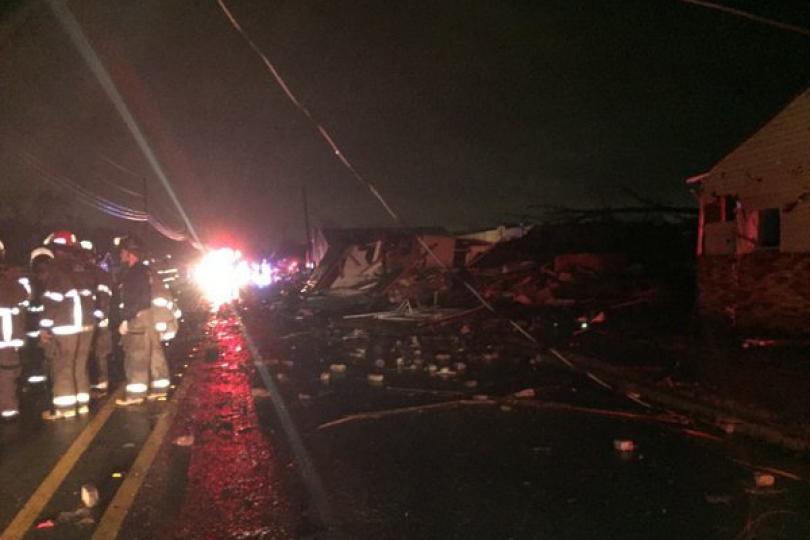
223, 272
261, 275
220, 274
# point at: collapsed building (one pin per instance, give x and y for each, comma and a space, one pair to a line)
373, 263
589, 267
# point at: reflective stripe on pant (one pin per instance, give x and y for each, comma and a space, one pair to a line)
158, 366
136, 360
102, 349
68, 356
143, 356
10, 370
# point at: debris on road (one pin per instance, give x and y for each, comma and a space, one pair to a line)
624, 445
184, 440
260, 392
89, 494
764, 480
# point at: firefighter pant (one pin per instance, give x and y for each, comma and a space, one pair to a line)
144, 361
67, 356
10, 370
102, 349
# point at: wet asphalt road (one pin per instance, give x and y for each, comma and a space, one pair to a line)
426, 453
482, 466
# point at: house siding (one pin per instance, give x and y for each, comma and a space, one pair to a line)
755, 289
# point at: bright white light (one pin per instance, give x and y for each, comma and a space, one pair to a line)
261, 275
220, 274
34, 379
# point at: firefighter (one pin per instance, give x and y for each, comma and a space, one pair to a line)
165, 317
144, 360
41, 258
14, 298
102, 338
66, 327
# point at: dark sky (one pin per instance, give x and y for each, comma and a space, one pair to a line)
463, 113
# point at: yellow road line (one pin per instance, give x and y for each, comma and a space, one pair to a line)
22, 522
117, 511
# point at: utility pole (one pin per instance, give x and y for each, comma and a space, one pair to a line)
306, 224
145, 209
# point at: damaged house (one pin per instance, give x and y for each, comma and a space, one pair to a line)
754, 228
377, 261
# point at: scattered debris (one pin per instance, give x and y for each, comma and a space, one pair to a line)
624, 445
446, 373
750, 343
182, 440
260, 392
764, 480
337, 368
376, 415
89, 494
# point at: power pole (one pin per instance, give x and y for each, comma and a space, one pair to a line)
306, 224
145, 209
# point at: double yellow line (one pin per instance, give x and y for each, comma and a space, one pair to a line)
22, 522
114, 516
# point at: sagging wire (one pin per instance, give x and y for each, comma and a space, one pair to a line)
98, 202
122, 189
91, 58
396, 218
85, 196
750, 16
359, 177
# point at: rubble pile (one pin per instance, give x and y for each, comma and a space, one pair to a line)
402, 309
570, 274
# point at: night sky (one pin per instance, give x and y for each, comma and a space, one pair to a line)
462, 113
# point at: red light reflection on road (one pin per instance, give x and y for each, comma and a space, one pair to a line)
232, 476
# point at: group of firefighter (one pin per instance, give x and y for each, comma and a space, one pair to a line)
61, 308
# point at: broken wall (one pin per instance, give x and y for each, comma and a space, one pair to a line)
764, 291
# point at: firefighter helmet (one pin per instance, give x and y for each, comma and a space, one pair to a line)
41, 252
61, 238
131, 243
